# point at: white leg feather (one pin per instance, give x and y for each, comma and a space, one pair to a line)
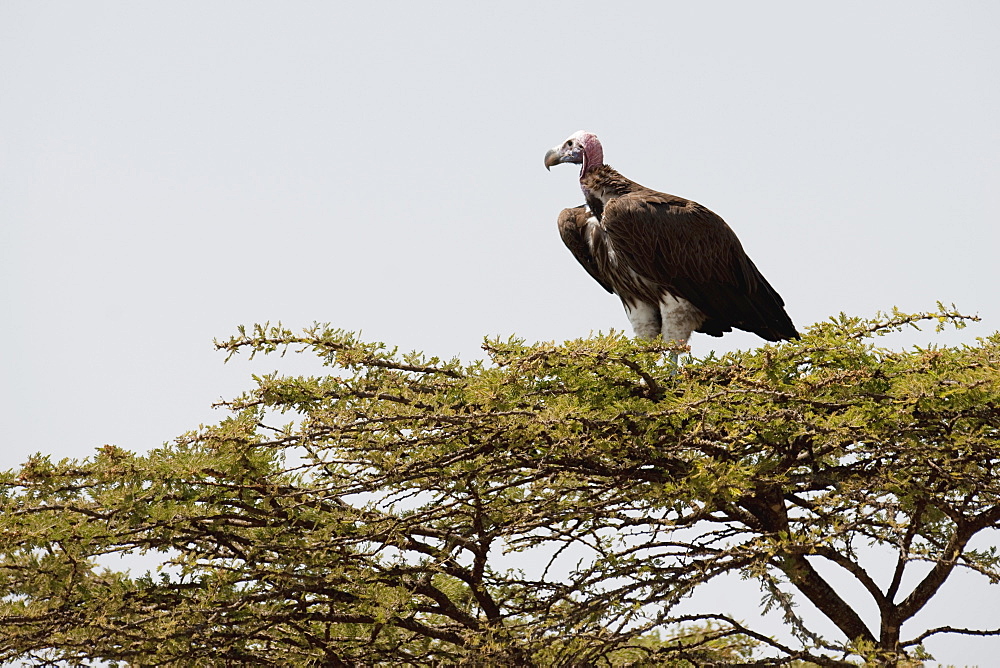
679, 317
645, 319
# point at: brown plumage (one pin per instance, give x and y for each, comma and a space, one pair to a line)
676, 266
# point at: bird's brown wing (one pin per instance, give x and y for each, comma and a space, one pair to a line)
692, 253
573, 230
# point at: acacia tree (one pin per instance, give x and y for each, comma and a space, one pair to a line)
549, 506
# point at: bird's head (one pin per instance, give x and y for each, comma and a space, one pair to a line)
582, 148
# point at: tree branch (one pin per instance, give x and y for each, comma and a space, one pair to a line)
950, 629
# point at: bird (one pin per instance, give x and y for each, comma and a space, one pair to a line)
677, 267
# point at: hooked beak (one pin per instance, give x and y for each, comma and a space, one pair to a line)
564, 153
552, 158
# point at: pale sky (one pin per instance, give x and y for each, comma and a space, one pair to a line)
169, 171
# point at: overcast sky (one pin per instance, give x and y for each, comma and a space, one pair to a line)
169, 171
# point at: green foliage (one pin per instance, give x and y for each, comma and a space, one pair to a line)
549, 506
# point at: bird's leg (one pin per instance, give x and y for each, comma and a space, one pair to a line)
672, 319
680, 317
674, 363
675, 358
645, 319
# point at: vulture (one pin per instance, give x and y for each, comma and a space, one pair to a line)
677, 267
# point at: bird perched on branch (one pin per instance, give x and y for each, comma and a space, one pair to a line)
677, 267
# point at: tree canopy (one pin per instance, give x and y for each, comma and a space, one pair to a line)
551, 505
